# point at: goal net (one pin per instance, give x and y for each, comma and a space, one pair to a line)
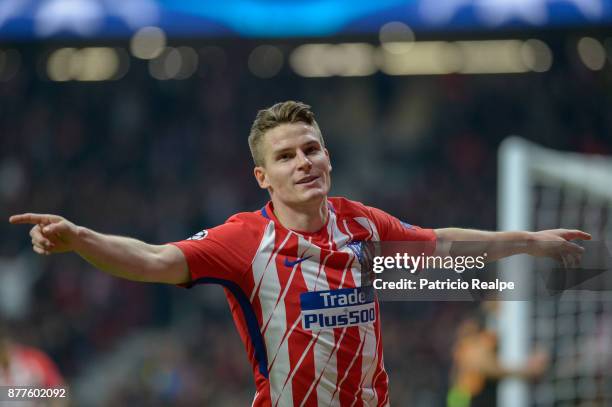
546, 189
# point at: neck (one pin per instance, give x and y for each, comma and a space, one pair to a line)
308, 218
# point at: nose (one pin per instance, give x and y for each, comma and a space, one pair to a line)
303, 161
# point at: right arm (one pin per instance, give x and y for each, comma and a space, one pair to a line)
119, 256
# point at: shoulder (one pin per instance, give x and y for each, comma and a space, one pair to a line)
225, 251
255, 219
247, 221
239, 226
347, 207
248, 224
243, 225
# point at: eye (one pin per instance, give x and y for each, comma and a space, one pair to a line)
312, 149
284, 157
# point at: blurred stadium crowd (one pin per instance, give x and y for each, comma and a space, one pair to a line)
161, 160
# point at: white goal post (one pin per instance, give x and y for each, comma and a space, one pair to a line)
522, 166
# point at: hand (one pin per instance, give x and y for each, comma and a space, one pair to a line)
50, 234
537, 364
555, 243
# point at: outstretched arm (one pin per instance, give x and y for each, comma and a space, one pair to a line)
120, 256
555, 243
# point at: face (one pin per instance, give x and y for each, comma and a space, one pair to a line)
296, 167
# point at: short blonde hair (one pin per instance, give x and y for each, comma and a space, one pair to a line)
284, 112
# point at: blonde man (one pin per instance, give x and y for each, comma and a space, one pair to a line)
293, 282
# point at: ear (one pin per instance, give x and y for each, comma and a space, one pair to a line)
262, 177
328, 158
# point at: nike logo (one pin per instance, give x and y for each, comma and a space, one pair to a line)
289, 263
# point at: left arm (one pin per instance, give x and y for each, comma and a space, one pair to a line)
555, 243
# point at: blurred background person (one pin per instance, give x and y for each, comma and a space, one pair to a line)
477, 368
22, 365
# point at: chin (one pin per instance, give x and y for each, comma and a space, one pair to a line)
313, 195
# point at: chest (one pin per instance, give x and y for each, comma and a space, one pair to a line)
302, 265
315, 279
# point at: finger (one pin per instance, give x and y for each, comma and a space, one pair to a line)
53, 228
39, 250
570, 260
572, 248
564, 261
573, 261
575, 234
579, 259
33, 218
39, 238
35, 231
43, 242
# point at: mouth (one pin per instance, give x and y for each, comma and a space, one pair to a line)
307, 180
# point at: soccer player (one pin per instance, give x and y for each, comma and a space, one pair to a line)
477, 369
22, 365
292, 279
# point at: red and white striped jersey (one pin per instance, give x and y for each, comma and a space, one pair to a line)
311, 331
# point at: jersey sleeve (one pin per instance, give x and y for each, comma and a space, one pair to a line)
392, 229
223, 252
